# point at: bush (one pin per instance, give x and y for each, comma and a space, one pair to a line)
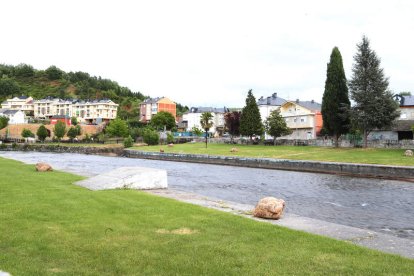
170, 138
151, 137
128, 142
26, 133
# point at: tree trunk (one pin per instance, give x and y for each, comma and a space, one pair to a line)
336, 140
274, 141
206, 138
365, 138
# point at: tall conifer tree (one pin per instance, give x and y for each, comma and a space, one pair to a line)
335, 101
374, 106
250, 120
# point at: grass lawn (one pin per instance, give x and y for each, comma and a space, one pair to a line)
49, 226
351, 155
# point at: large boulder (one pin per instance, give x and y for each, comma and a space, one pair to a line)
269, 208
43, 167
408, 153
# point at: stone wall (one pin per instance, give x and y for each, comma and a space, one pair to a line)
114, 151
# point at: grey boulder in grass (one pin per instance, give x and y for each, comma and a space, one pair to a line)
269, 208
43, 167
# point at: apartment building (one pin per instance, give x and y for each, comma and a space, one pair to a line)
193, 116
22, 103
150, 107
95, 112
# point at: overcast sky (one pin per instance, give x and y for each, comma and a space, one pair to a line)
209, 53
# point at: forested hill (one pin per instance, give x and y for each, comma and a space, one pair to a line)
23, 79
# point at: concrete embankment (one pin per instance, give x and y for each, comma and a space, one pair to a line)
359, 170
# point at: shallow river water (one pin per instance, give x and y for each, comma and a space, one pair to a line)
380, 205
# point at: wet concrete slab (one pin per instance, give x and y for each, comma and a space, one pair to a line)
362, 237
138, 178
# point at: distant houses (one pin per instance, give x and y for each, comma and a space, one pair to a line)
89, 112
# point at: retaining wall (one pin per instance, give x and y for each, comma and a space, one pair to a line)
361, 170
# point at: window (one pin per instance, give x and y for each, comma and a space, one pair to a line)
303, 119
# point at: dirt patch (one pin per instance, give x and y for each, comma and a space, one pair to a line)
179, 231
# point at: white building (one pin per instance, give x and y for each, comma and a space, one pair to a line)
22, 103
267, 105
48, 107
96, 111
15, 116
193, 116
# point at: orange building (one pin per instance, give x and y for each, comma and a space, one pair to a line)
150, 107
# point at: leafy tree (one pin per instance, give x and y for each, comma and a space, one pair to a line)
78, 129
117, 128
151, 137
170, 138
8, 87
53, 73
4, 121
335, 101
374, 106
42, 133
276, 126
250, 120
24, 70
60, 130
72, 133
74, 121
163, 119
206, 123
232, 122
181, 109
26, 133
128, 142
196, 131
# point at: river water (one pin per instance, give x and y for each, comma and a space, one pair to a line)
380, 205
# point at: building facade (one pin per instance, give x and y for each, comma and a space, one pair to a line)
95, 112
304, 118
22, 103
16, 117
150, 107
193, 116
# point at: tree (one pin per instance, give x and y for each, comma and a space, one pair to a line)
374, 106
117, 128
8, 87
74, 121
24, 70
4, 121
250, 120
335, 101
232, 122
42, 133
151, 137
60, 130
72, 133
53, 73
26, 133
163, 119
276, 126
128, 142
196, 131
206, 123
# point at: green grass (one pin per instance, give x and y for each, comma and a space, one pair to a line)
350, 155
50, 226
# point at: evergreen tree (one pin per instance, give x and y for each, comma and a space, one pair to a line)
250, 120
335, 101
374, 106
276, 126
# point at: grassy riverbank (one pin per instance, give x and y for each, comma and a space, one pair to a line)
50, 226
350, 155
